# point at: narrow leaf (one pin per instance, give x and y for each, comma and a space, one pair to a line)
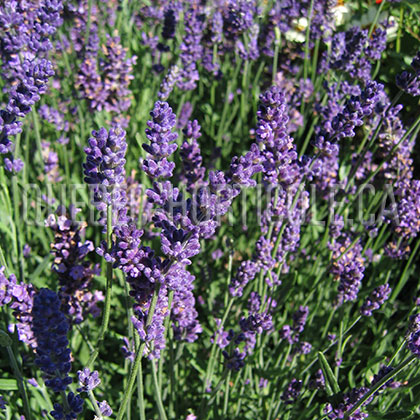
328, 373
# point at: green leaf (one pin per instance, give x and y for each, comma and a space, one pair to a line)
392, 415
8, 385
331, 380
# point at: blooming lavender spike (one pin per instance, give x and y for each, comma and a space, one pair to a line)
191, 49
116, 76
349, 399
235, 359
383, 371
25, 33
349, 268
318, 380
410, 82
291, 394
104, 171
376, 299
106, 410
20, 298
88, 380
50, 328
414, 343
192, 160
169, 83
74, 272
161, 137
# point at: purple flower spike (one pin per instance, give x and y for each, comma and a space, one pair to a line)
88, 380
104, 171
161, 139
376, 299
75, 273
50, 326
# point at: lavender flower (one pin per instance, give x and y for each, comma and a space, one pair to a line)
376, 299
234, 360
349, 399
161, 140
318, 380
245, 273
169, 24
348, 269
116, 76
193, 173
50, 327
291, 394
383, 371
191, 49
104, 171
169, 83
184, 115
20, 298
73, 407
106, 410
88, 380
410, 82
406, 224
75, 273
25, 31
299, 319
414, 343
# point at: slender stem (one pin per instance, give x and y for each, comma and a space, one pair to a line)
108, 292
307, 38
226, 399
139, 355
400, 28
18, 232
210, 365
95, 405
332, 344
379, 384
162, 415
397, 351
3, 260
37, 135
277, 43
20, 383
403, 277
375, 20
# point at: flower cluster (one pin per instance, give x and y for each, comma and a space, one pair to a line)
74, 271
25, 31
50, 328
20, 298
104, 171
375, 299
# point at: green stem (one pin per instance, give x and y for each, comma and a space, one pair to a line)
379, 384
166, 325
403, 277
375, 20
226, 399
162, 415
210, 365
95, 405
276, 52
108, 292
139, 355
37, 134
18, 232
19, 380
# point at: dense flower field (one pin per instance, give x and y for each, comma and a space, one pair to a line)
209, 209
